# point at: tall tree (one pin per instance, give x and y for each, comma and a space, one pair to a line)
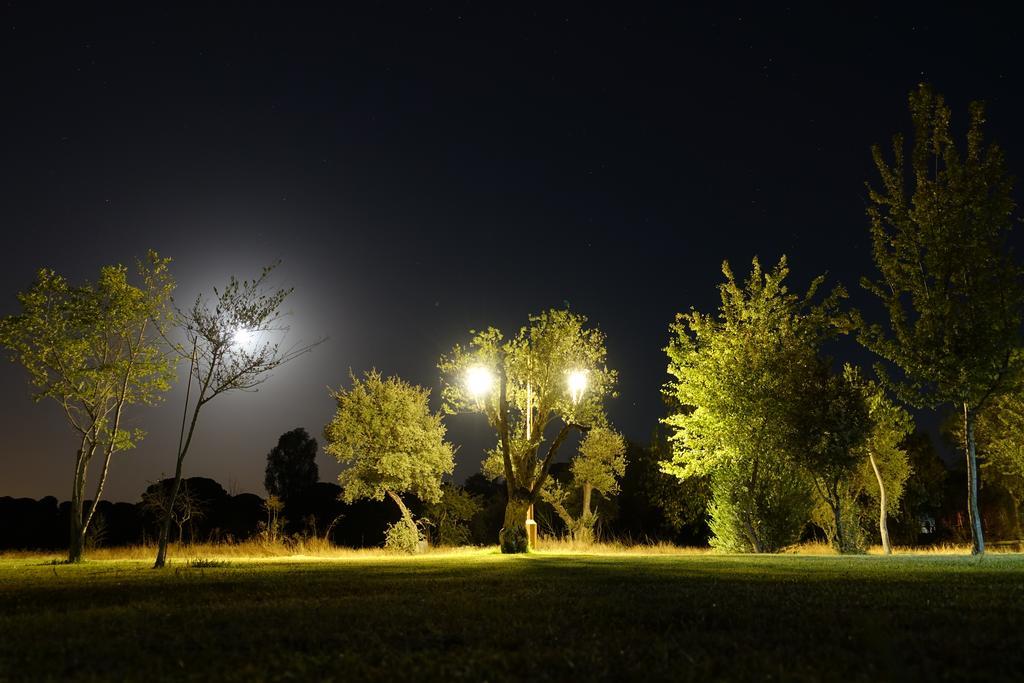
233, 342
598, 466
95, 349
737, 378
551, 374
389, 442
952, 289
291, 465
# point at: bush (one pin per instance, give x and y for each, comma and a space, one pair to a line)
774, 513
856, 539
403, 536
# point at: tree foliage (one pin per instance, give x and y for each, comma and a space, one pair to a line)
95, 349
739, 378
940, 223
531, 394
597, 467
389, 443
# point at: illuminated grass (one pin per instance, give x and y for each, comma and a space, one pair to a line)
549, 616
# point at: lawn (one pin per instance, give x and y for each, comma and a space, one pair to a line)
483, 616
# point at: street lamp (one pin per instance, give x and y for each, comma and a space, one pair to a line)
577, 382
479, 381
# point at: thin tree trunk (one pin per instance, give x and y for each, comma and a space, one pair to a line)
755, 543
401, 506
587, 490
110, 446
973, 512
752, 536
883, 525
99, 491
76, 537
837, 512
165, 529
560, 510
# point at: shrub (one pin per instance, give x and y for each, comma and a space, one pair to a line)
773, 514
403, 536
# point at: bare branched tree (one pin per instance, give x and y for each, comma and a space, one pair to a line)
234, 341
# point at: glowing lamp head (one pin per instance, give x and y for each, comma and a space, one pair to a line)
577, 382
479, 381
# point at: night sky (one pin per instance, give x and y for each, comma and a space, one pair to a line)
423, 172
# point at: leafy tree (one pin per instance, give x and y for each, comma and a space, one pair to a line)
832, 424
390, 444
451, 514
737, 378
940, 226
95, 350
600, 464
234, 342
539, 376
291, 465
884, 462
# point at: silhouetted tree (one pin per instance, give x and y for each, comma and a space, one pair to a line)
291, 466
188, 507
654, 505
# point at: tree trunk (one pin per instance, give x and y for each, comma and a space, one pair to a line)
973, 512
883, 526
513, 535
744, 516
406, 515
837, 512
76, 537
165, 528
183, 444
748, 528
587, 490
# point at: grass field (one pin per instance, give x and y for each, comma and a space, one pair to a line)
547, 616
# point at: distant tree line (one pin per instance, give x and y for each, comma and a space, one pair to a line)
649, 506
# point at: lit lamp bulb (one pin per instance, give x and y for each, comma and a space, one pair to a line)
479, 381
577, 384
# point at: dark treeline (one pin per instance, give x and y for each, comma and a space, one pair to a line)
651, 506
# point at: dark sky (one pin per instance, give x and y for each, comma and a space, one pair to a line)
422, 172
